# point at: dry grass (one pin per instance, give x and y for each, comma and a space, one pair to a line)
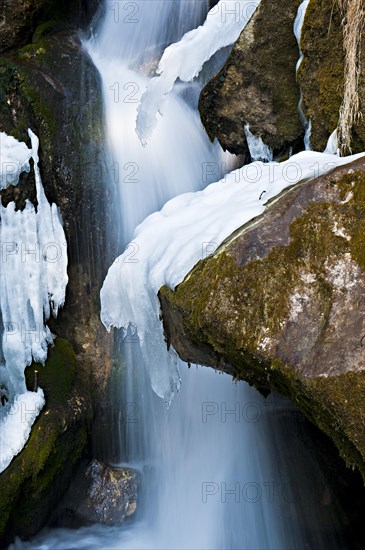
353, 22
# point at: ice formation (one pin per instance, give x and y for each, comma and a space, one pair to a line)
332, 144
172, 241
185, 59
33, 282
14, 160
258, 149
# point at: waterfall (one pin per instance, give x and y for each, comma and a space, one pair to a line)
126, 51
214, 469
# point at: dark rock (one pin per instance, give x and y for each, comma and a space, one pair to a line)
100, 493
19, 20
257, 85
282, 305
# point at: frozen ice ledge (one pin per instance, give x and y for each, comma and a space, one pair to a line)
33, 282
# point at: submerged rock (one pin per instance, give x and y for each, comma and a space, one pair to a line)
100, 493
257, 85
282, 305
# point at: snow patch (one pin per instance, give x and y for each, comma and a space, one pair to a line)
14, 157
332, 145
15, 426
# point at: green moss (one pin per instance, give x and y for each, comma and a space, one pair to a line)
57, 377
31, 50
46, 28
56, 443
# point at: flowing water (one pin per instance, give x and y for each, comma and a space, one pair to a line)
214, 466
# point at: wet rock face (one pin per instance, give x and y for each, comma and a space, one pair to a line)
282, 305
257, 85
101, 494
51, 86
19, 18
321, 75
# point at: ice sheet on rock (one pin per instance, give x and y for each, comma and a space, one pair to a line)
185, 59
258, 149
14, 159
33, 281
172, 241
332, 144
16, 424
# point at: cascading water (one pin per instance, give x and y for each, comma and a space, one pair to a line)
126, 51
213, 474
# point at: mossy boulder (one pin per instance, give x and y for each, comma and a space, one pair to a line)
321, 74
36, 479
282, 305
257, 85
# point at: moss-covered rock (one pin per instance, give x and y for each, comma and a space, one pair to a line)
39, 475
321, 74
282, 305
257, 85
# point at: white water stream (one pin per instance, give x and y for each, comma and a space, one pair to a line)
214, 465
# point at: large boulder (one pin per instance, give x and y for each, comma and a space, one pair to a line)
282, 305
257, 85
